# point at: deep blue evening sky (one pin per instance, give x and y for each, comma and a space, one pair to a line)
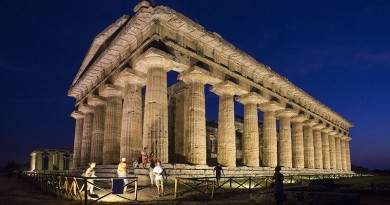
337, 51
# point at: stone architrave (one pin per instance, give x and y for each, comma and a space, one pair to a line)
196, 78
332, 149
112, 123
298, 153
317, 141
270, 140
131, 132
285, 149
78, 137
308, 143
226, 129
155, 63
87, 134
99, 105
250, 138
325, 147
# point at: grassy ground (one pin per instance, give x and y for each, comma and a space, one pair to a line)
372, 190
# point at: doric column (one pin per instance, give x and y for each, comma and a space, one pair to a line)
343, 157
131, 131
78, 137
155, 63
285, 149
250, 138
325, 148
226, 129
196, 78
87, 134
338, 142
332, 150
33, 161
99, 105
317, 140
298, 153
308, 143
112, 123
213, 144
270, 141
347, 154
181, 120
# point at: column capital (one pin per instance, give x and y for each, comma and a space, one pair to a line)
96, 100
270, 106
318, 126
77, 114
339, 135
110, 90
227, 88
299, 118
86, 109
333, 132
326, 130
130, 76
288, 112
152, 58
309, 123
197, 74
251, 98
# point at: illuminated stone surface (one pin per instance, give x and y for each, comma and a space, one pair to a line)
137, 53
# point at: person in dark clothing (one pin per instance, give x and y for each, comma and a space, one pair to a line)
278, 186
218, 171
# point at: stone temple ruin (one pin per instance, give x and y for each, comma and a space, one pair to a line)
123, 103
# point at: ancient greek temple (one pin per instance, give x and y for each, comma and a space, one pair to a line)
123, 102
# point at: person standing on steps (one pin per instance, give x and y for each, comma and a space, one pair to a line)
278, 186
122, 172
90, 172
158, 172
218, 171
151, 174
144, 157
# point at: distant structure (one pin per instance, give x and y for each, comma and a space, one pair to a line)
51, 159
115, 119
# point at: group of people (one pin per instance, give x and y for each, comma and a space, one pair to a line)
156, 172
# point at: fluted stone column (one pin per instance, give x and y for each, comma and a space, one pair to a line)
317, 140
112, 124
308, 144
343, 159
347, 154
338, 142
181, 120
131, 131
78, 137
270, 141
87, 134
298, 153
155, 63
332, 150
285, 149
99, 105
196, 78
325, 148
33, 161
226, 129
250, 138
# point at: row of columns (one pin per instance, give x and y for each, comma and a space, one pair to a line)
125, 132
